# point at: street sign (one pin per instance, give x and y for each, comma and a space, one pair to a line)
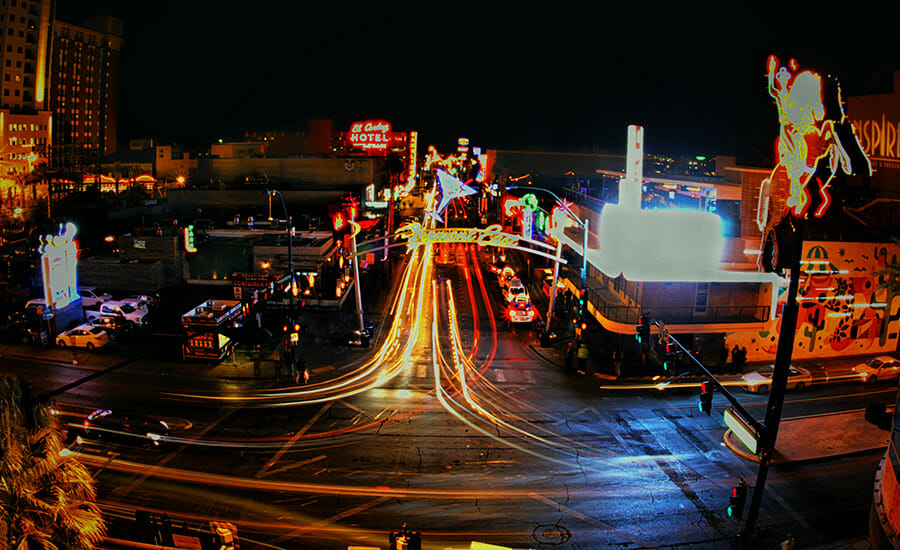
743, 431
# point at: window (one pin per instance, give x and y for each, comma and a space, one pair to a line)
702, 297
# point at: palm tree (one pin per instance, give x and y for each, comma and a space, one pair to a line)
46, 495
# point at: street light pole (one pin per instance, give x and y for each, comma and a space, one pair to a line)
290, 232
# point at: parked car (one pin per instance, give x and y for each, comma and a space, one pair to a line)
91, 297
514, 289
883, 367
83, 336
125, 427
146, 301
36, 305
124, 309
760, 380
22, 331
114, 325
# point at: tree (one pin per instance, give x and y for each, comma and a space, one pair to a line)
46, 495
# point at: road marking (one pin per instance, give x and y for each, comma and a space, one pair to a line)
290, 443
172, 455
589, 520
421, 370
293, 465
501, 378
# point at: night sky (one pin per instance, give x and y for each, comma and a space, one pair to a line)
528, 76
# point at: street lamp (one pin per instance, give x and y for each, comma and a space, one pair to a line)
290, 231
583, 224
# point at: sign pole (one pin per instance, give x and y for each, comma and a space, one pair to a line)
781, 369
359, 312
553, 290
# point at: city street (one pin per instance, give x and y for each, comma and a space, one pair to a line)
455, 424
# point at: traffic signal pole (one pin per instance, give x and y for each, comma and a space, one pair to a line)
783, 354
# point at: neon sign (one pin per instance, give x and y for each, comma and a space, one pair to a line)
813, 127
59, 266
879, 137
370, 134
189, 239
491, 235
451, 188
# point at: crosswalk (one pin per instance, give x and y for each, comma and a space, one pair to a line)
507, 375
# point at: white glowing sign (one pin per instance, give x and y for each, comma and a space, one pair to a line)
645, 245
59, 266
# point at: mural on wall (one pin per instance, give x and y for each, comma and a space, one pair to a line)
848, 304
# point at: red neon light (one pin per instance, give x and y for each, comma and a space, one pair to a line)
370, 134
510, 205
338, 221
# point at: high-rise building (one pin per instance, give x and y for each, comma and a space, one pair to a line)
25, 122
25, 28
84, 81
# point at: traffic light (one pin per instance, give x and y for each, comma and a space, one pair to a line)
738, 498
642, 329
582, 299
669, 355
706, 396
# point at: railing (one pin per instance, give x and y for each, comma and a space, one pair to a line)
681, 315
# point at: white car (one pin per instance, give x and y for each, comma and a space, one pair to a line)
91, 297
514, 290
760, 381
83, 336
124, 309
137, 302
883, 367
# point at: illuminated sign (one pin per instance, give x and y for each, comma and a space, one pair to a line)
451, 188
338, 221
645, 245
813, 127
59, 266
491, 235
879, 138
189, 239
370, 134
413, 152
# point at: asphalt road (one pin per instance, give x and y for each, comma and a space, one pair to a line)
457, 427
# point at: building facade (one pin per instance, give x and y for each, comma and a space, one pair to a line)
84, 83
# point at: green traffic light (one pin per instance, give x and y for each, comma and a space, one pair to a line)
730, 511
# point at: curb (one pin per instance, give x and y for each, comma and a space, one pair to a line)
778, 460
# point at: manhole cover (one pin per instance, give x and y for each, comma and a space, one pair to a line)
551, 534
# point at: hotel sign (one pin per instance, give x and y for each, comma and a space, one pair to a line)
370, 134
